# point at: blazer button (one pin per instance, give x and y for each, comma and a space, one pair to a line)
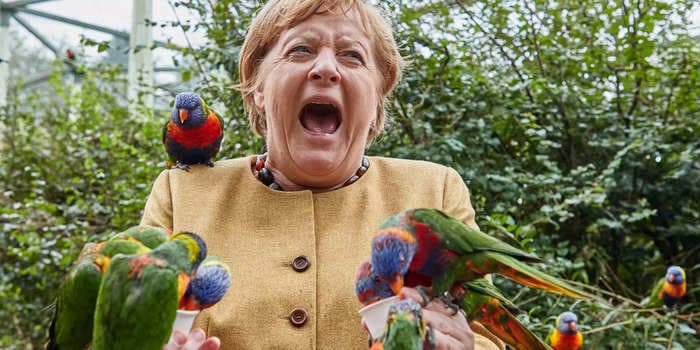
298, 317
300, 263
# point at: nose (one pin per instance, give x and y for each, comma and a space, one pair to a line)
325, 69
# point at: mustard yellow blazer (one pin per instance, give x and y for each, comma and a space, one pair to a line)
296, 253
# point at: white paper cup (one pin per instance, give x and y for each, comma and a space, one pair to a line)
183, 320
374, 315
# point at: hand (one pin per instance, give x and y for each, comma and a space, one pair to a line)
451, 329
196, 340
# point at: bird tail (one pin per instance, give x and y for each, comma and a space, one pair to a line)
503, 324
529, 276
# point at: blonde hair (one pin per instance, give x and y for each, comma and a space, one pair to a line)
279, 15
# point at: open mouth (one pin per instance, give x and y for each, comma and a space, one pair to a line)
320, 118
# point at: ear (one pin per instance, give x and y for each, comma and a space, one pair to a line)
259, 99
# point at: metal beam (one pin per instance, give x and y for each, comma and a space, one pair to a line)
140, 76
74, 22
20, 3
91, 26
37, 35
5, 56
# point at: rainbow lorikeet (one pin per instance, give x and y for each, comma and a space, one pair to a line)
139, 294
208, 285
565, 336
426, 247
405, 329
483, 302
193, 133
72, 324
150, 236
669, 290
368, 287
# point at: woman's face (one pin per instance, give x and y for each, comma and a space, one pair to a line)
319, 92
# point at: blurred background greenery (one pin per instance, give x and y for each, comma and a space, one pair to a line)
575, 124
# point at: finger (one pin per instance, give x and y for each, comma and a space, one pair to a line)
453, 326
177, 340
410, 293
195, 339
446, 342
438, 305
212, 343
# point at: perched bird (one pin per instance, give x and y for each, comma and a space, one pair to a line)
150, 236
670, 289
193, 133
405, 329
368, 287
426, 247
566, 335
74, 308
483, 302
209, 284
139, 294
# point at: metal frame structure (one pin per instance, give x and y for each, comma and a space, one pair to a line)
140, 66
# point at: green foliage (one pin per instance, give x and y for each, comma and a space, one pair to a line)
574, 124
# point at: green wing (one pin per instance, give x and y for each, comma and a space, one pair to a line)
135, 308
483, 286
72, 325
149, 236
461, 239
654, 300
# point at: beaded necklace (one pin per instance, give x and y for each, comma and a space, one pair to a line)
264, 174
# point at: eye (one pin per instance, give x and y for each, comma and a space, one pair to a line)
354, 55
300, 49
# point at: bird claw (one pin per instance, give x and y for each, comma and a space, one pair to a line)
182, 166
449, 302
424, 293
430, 342
209, 163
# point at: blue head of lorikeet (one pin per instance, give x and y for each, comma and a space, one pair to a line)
675, 275
567, 323
197, 249
209, 285
392, 252
188, 111
368, 287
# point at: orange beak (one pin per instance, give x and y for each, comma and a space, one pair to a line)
572, 326
103, 263
397, 285
184, 114
671, 278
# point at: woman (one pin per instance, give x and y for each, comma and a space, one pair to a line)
295, 223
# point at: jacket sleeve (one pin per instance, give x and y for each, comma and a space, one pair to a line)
456, 200
457, 203
159, 206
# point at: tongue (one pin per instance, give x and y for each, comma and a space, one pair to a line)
320, 120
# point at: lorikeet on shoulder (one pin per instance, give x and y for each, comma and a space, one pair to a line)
670, 289
565, 336
193, 133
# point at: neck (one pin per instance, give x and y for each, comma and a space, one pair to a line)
285, 183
